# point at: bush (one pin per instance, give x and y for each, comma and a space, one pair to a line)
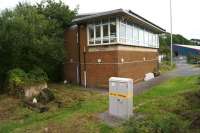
198, 81
37, 75
166, 66
18, 78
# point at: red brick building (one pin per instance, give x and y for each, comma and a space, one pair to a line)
115, 43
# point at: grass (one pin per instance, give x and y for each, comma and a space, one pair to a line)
79, 111
163, 108
167, 108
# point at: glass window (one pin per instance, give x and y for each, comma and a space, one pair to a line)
98, 34
105, 34
150, 40
129, 34
141, 37
91, 33
154, 40
157, 41
146, 38
135, 35
122, 33
113, 30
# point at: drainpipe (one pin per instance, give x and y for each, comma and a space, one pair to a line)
85, 72
79, 54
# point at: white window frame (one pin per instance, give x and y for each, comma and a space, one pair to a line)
135, 30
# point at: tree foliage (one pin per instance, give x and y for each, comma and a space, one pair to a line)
165, 41
33, 35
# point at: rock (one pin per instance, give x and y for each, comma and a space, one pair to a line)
45, 96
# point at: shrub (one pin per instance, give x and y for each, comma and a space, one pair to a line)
166, 66
37, 75
16, 78
198, 81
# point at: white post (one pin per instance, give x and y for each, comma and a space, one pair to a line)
85, 79
171, 31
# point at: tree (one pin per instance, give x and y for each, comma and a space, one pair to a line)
33, 35
165, 42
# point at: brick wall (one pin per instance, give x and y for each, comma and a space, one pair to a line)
137, 61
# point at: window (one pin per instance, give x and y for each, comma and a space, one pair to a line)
102, 31
122, 33
154, 41
113, 30
129, 34
146, 38
141, 37
98, 34
135, 35
150, 40
91, 34
157, 41
105, 33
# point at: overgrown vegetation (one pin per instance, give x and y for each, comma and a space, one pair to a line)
166, 66
74, 110
33, 35
171, 107
192, 59
17, 79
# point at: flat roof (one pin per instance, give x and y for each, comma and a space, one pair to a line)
136, 18
188, 46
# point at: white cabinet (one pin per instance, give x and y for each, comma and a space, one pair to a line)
120, 97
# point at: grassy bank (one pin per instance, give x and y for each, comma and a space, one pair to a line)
171, 107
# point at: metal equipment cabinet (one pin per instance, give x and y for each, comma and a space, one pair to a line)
120, 97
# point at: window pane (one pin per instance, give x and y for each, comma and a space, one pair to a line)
129, 34
135, 35
154, 41
91, 34
105, 34
113, 30
122, 33
104, 21
146, 38
150, 40
141, 37
98, 34
157, 41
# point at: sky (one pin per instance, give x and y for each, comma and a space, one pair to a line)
185, 12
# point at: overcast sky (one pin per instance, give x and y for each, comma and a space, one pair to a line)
186, 20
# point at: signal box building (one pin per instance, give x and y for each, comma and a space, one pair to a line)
117, 43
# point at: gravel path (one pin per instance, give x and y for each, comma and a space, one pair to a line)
182, 69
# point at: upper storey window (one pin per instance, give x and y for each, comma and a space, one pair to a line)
91, 33
102, 32
113, 30
116, 30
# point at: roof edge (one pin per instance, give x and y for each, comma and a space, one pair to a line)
128, 12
